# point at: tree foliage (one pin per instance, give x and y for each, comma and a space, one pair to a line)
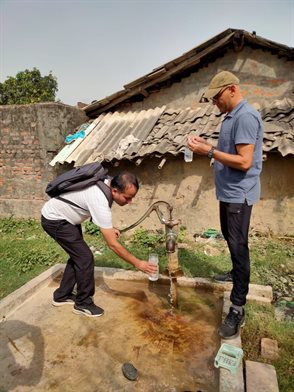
28, 87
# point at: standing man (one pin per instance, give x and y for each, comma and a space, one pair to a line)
237, 168
62, 221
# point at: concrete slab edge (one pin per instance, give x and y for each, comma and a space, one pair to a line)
262, 294
14, 300
227, 380
256, 292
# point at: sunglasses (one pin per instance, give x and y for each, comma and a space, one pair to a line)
217, 96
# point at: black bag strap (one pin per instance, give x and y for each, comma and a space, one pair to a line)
69, 202
104, 188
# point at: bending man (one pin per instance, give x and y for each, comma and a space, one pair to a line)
62, 221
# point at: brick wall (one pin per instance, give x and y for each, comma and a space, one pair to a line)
30, 136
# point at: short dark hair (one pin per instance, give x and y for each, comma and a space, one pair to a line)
122, 180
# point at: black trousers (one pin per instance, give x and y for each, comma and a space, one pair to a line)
235, 220
80, 265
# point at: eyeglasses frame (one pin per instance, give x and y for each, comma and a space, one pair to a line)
218, 95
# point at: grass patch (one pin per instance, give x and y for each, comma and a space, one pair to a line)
197, 263
261, 323
25, 252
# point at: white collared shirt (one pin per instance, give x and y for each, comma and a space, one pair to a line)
92, 199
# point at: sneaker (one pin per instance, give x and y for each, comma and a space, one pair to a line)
70, 300
231, 326
88, 310
227, 277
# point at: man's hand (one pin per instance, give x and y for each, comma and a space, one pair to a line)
198, 145
110, 237
117, 232
241, 160
146, 267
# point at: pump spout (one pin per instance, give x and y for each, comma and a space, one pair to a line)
171, 240
170, 246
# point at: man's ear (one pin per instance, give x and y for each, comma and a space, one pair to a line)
114, 192
233, 88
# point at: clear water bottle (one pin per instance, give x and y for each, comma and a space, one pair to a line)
188, 155
153, 259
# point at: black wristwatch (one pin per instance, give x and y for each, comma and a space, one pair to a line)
210, 152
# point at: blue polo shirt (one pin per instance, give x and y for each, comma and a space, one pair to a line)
243, 125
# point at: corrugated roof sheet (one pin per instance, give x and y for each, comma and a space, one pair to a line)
111, 136
158, 132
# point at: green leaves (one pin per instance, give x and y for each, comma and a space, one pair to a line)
28, 87
147, 238
27, 261
91, 228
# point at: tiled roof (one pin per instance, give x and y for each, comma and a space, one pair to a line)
162, 131
194, 59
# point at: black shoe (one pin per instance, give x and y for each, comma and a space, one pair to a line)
231, 326
69, 300
227, 277
88, 310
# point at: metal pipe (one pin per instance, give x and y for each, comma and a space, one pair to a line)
153, 207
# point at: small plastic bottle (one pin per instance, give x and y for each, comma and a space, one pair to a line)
188, 155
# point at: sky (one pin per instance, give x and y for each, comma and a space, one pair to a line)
95, 47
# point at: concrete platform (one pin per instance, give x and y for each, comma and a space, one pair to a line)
44, 348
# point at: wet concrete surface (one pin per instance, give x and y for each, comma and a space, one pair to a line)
47, 348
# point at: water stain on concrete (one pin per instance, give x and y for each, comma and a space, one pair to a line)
44, 348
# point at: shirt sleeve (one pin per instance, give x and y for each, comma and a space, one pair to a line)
247, 128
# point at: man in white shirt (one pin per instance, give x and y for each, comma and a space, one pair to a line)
62, 221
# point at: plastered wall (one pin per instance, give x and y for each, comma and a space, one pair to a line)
189, 188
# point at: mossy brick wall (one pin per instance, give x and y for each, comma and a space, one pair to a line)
30, 136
